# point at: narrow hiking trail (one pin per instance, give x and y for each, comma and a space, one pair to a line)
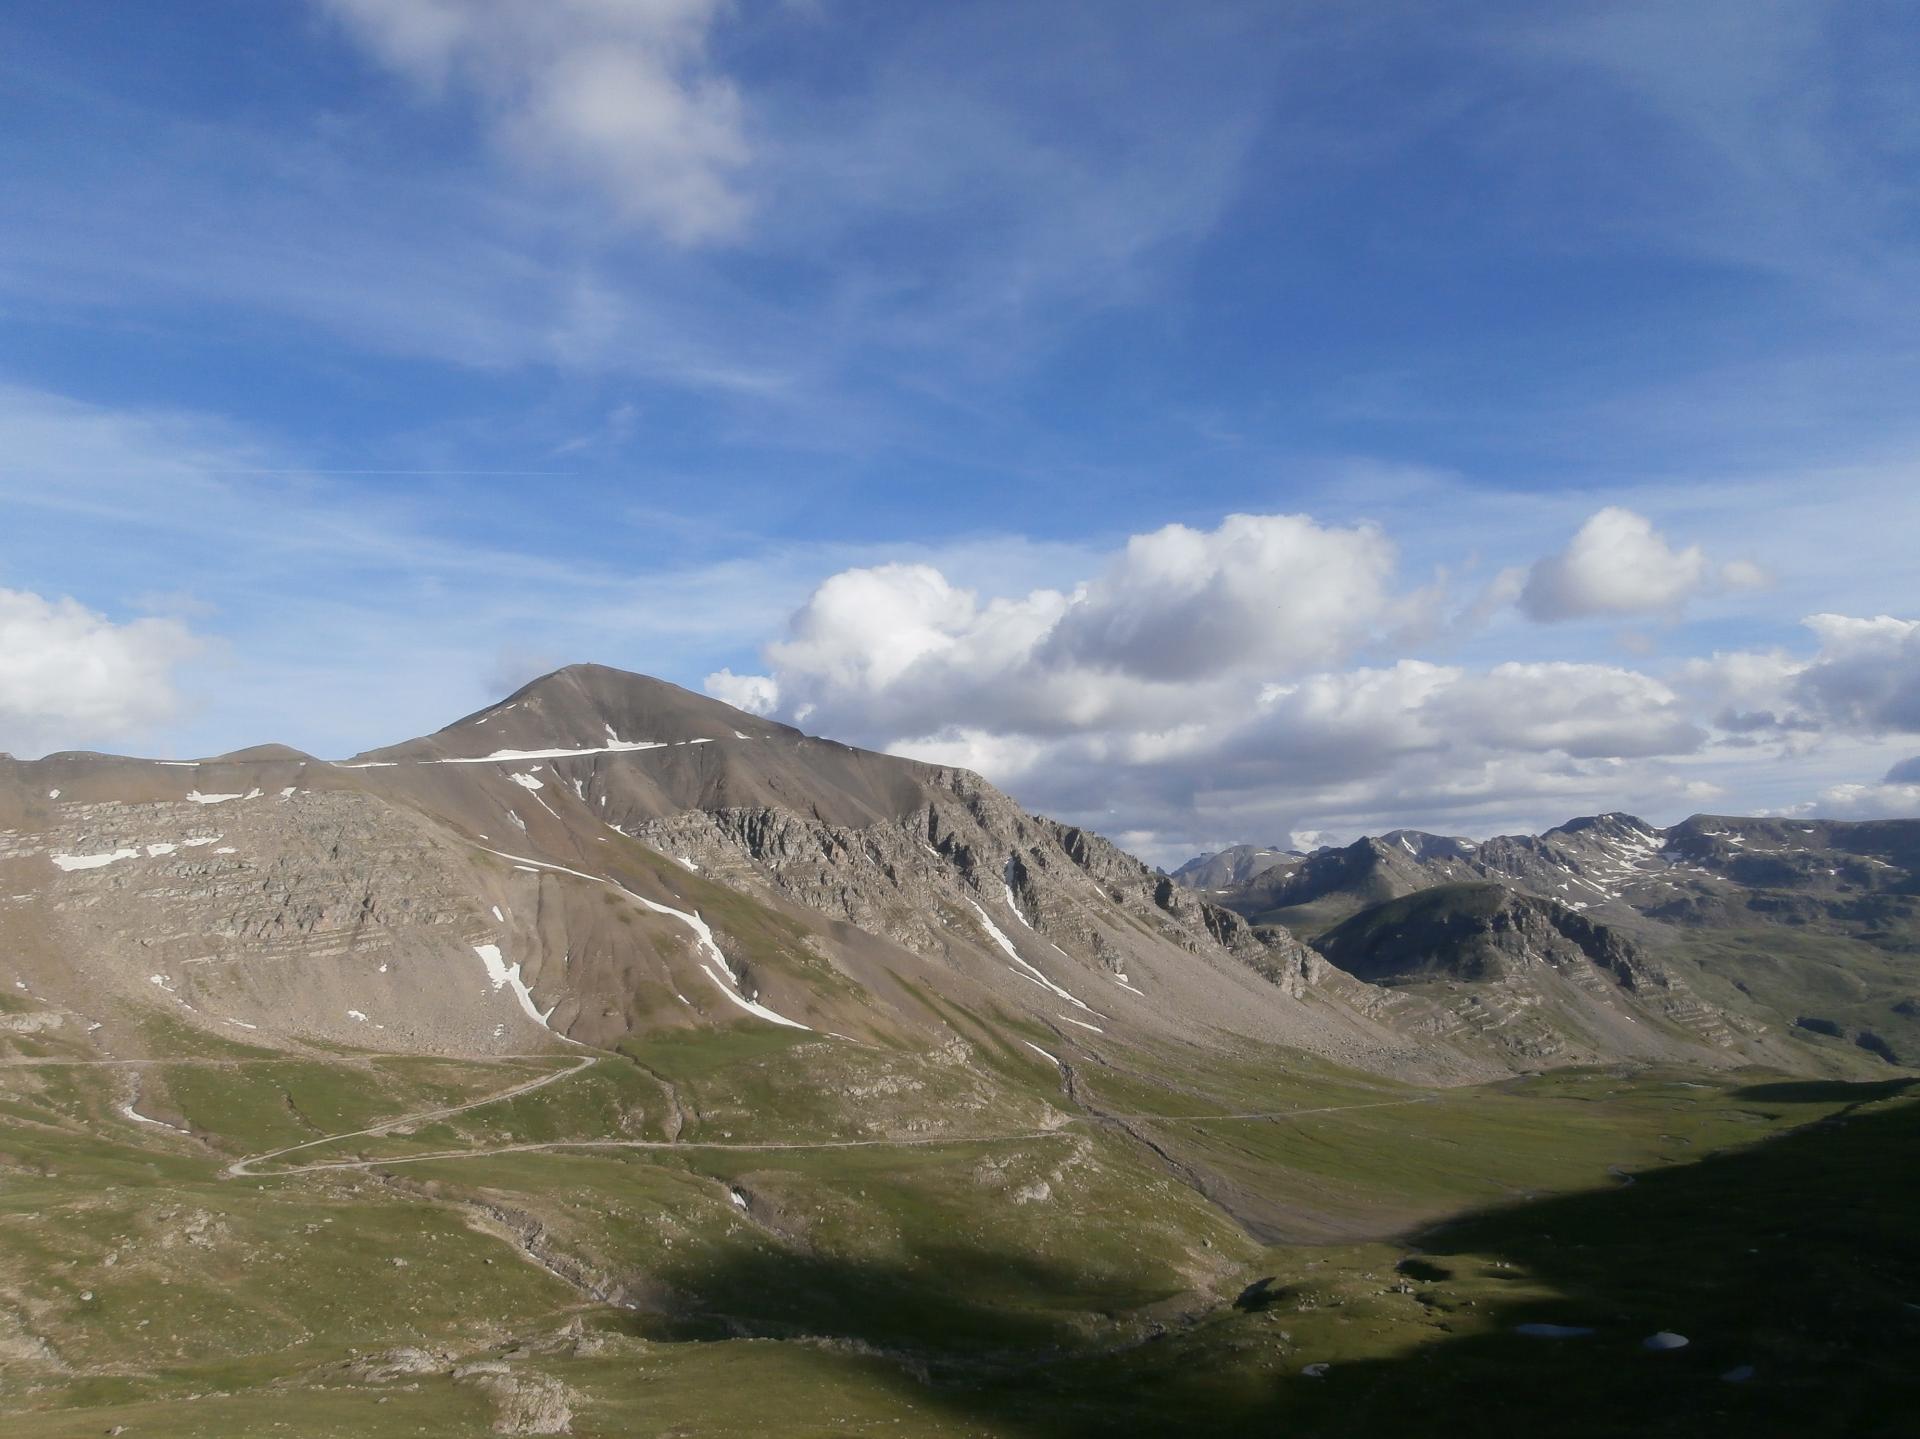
243, 1168
246, 1168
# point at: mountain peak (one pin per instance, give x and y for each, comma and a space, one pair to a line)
585, 708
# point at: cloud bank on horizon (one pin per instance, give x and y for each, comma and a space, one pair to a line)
1261, 672
1214, 425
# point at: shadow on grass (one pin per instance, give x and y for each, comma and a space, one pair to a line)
1826, 1091
1799, 1257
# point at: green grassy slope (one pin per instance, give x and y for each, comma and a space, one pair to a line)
970, 1250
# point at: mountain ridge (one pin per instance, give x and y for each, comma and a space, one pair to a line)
1809, 925
606, 856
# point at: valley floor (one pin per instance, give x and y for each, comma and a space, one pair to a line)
756, 1231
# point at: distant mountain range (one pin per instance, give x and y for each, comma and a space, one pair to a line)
1809, 927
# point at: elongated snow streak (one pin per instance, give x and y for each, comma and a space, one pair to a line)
618, 746
138, 1118
528, 783
999, 937
702, 935
506, 975
752, 1008
1094, 1027
1014, 904
614, 745
1039, 1051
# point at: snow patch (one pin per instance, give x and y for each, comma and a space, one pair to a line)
356, 1015
139, 1118
53, 794
1014, 904
195, 797
71, 862
504, 975
1039, 1051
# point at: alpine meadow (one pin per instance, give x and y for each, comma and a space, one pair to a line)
1129, 719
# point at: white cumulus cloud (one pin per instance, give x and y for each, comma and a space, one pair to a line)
1204, 681
70, 676
1180, 618
756, 694
1866, 675
1886, 800
1261, 590
617, 94
1616, 564
1864, 678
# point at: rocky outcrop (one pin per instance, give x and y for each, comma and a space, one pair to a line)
972, 845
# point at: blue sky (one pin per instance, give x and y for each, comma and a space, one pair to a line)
363, 357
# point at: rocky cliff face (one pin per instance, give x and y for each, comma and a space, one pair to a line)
970, 847
1550, 981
